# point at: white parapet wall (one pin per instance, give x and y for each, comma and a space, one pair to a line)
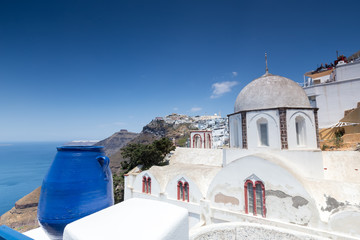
342, 166
243, 230
210, 157
132, 219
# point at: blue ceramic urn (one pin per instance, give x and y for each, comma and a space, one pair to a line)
78, 183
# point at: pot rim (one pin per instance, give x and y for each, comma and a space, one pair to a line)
81, 148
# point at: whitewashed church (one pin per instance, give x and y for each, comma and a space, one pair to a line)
273, 174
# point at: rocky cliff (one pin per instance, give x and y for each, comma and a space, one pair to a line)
22, 217
116, 141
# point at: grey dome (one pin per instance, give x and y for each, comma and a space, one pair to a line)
271, 91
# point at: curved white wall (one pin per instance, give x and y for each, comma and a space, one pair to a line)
286, 198
155, 187
194, 192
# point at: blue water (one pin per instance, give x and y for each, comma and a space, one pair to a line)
22, 169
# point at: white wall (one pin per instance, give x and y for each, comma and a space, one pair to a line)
286, 198
134, 190
310, 129
307, 163
128, 183
194, 219
132, 219
333, 99
342, 166
272, 118
323, 79
348, 71
194, 193
155, 187
210, 157
245, 230
346, 221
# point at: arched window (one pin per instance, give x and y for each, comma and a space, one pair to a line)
197, 142
260, 198
249, 196
146, 185
300, 131
180, 190
209, 141
149, 185
263, 132
254, 198
183, 191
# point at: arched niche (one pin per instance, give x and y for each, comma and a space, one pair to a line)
301, 129
263, 129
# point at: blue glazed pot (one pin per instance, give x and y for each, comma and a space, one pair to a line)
78, 183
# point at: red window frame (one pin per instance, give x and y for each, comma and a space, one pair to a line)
194, 139
182, 191
146, 185
209, 139
254, 197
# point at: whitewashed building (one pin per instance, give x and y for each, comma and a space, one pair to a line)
335, 90
273, 112
273, 178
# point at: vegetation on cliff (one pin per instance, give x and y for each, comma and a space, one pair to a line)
146, 155
153, 131
144, 147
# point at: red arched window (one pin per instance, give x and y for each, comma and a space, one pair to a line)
260, 198
254, 198
197, 141
209, 141
179, 190
183, 191
146, 185
186, 192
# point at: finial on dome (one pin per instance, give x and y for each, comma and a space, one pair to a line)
266, 70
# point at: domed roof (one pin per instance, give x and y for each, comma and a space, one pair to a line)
271, 91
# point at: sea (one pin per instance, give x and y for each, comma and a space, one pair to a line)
23, 165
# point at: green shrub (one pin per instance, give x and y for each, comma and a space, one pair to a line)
338, 141
324, 147
118, 184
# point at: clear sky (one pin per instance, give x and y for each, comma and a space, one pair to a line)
73, 70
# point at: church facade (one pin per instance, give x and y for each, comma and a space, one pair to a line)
272, 174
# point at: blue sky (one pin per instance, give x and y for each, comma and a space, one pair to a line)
86, 69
